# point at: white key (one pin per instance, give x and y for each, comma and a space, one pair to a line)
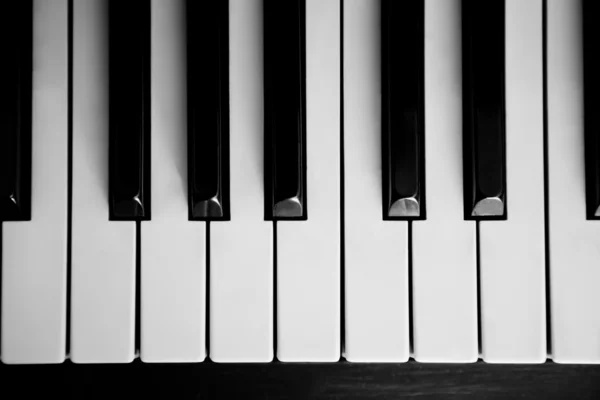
376, 262
173, 272
574, 241
241, 264
512, 259
103, 251
308, 252
444, 248
34, 259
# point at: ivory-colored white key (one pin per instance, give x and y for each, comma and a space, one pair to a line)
308, 252
376, 252
574, 241
173, 271
241, 250
444, 250
34, 253
512, 259
103, 251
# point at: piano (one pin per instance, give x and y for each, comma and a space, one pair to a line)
313, 198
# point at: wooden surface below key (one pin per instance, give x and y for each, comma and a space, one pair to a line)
303, 381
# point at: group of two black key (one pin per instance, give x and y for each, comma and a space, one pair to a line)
403, 110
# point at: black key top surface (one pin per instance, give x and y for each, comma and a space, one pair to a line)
484, 139
591, 69
208, 109
285, 112
16, 39
402, 52
129, 107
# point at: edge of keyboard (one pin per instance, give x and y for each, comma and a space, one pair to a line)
306, 380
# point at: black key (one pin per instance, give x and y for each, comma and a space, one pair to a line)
403, 112
208, 109
129, 107
285, 113
591, 68
16, 39
484, 110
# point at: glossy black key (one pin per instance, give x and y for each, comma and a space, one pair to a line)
591, 69
129, 108
16, 41
403, 113
285, 112
208, 109
484, 110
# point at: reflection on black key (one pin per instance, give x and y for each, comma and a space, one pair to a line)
591, 69
285, 114
402, 55
483, 109
129, 105
208, 109
15, 110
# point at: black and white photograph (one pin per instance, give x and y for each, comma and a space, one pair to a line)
299, 199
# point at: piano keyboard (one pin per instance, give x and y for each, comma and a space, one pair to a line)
302, 181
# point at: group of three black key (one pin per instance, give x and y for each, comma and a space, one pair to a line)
403, 110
